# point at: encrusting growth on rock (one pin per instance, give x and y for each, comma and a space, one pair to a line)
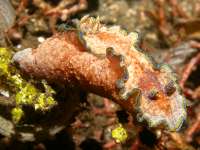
23, 92
106, 61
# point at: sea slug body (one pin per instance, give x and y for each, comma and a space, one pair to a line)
106, 61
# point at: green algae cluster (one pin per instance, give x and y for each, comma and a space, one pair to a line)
24, 93
119, 134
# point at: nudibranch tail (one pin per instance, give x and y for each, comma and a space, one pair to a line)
109, 63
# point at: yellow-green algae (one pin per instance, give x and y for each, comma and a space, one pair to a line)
17, 114
24, 92
5, 57
119, 134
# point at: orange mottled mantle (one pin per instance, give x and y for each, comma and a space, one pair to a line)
106, 61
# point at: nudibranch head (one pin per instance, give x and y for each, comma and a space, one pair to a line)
161, 101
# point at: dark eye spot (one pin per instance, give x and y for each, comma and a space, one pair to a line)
153, 94
109, 51
126, 74
170, 88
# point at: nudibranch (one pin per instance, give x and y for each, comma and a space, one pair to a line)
106, 61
